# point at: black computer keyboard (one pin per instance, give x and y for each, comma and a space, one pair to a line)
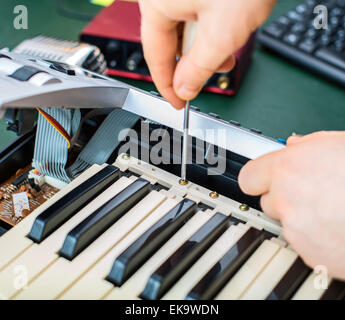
295, 37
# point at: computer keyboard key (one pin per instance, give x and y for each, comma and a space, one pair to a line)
290, 282
100, 220
339, 45
325, 40
308, 46
292, 39
148, 243
338, 12
298, 28
293, 15
330, 30
169, 272
311, 3
227, 266
274, 30
302, 9
54, 216
312, 34
334, 21
332, 57
284, 21
340, 34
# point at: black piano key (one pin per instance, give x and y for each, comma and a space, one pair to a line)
184, 257
290, 282
60, 211
228, 265
336, 291
146, 245
100, 220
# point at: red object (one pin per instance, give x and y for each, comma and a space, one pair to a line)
121, 21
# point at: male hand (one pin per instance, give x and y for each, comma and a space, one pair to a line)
224, 26
303, 186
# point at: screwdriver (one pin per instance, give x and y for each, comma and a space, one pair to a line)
185, 144
190, 29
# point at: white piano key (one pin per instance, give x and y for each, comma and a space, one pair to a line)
136, 284
249, 271
205, 263
93, 285
64, 273
14, 242
270, 276
310, 289
39, 256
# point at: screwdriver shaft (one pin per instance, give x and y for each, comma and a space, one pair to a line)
185, 143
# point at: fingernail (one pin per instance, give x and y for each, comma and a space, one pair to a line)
186, 93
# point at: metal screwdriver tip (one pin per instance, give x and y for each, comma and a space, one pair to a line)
185, 143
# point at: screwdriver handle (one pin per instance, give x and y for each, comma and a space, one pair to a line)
189, 34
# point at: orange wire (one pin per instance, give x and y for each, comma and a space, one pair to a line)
57, 126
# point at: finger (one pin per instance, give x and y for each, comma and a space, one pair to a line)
293, 139
196, 67
160, 39
256, 176
228, 65
211, 48
178, 10
266, 203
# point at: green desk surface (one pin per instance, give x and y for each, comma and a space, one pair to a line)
276, 96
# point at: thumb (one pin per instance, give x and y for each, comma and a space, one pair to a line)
293, 139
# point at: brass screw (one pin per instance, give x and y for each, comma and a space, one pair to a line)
213, 195
182, 182
125, 156
223, 82
244, 207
